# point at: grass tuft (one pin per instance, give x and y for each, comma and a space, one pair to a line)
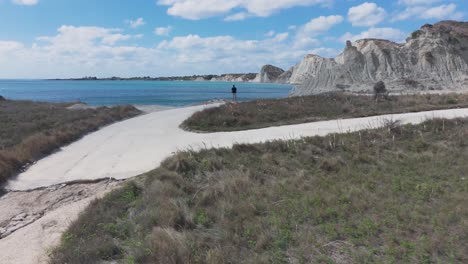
31, 130
295, 110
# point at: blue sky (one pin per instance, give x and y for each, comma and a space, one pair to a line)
65, 38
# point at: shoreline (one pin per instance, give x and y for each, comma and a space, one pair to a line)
237, 77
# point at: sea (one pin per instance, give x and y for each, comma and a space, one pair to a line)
108, 93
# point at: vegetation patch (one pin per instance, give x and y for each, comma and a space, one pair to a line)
31, 130
295, 110
391, 195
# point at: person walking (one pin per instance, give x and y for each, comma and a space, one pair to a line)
234, 93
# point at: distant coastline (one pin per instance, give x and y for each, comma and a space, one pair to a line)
237, 77
146, 92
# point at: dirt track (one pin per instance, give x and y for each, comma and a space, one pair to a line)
32, 222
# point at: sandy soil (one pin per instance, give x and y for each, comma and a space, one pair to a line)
32, 222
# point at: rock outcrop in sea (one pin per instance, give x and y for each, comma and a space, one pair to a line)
241, 77
432, 58
269, 74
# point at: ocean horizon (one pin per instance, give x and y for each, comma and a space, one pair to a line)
164, 93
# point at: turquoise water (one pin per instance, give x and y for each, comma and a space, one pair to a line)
135, 92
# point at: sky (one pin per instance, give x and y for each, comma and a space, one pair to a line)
104, 38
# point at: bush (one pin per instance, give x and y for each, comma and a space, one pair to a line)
380, 90
303, 109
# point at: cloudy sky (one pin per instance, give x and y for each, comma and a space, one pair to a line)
74, 38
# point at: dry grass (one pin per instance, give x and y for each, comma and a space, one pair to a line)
31, 130
294, 110
391, 195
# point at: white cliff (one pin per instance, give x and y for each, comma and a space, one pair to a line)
433, 58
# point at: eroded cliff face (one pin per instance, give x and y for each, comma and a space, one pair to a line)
433, 58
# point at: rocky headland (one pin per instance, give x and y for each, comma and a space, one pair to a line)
231, 77
434, 57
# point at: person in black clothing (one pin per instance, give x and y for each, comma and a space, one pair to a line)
234, 93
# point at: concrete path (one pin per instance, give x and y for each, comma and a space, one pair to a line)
138, 145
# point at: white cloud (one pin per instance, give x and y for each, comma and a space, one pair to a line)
325, 52
306, 34
305, 42
96, 51
114, 38
427, 12
136, 23
231, 54
280, 37
417, 2
163, 31
321, 24
199, 9
441, 12
392, 34
270, 33
71, 37
215, 43
10, 46
73, 51
266, 8
26, 2
366, 14
237, 16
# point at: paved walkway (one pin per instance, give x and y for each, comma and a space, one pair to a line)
138, 145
